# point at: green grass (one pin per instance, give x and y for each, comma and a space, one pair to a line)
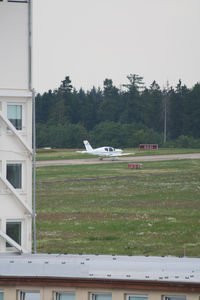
59, 154
152, 211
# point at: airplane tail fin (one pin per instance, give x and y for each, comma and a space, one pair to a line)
87, 146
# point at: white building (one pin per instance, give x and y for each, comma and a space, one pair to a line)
15, 127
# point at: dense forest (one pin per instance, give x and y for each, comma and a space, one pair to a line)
120, 117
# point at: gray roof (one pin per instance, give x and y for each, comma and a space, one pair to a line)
102, 266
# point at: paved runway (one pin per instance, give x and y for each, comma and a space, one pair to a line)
127, 159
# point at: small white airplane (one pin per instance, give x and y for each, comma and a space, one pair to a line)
103, 151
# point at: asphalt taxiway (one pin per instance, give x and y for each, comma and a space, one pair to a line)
128, 159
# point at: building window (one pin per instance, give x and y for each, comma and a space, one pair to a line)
174, 298
136, 297
13, 230
28, 295
1, 295
14, 115
14, 174
101, 297
64, 296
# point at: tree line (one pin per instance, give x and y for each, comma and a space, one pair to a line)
121, 117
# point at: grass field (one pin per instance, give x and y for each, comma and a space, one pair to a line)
110, 209
52, 154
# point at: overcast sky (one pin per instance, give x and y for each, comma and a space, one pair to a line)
90, 40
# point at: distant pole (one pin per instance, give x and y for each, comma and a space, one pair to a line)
166, 91
165, 119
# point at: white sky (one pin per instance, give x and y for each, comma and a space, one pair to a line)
90, 40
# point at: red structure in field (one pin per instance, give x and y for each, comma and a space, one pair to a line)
134, 166
148, 146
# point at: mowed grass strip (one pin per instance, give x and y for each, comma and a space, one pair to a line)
72, 172
152, 211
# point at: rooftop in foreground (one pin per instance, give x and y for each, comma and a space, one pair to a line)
167, 269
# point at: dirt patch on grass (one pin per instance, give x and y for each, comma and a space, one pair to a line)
139, 175
73, 216
90, 216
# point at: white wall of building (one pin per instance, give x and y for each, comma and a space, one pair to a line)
14, 69
15, 145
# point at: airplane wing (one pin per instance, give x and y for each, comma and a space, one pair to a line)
121, 154
82, 151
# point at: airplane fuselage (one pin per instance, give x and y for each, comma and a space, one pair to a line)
105, 151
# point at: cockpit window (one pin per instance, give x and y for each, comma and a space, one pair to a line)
110, 149
106, 149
